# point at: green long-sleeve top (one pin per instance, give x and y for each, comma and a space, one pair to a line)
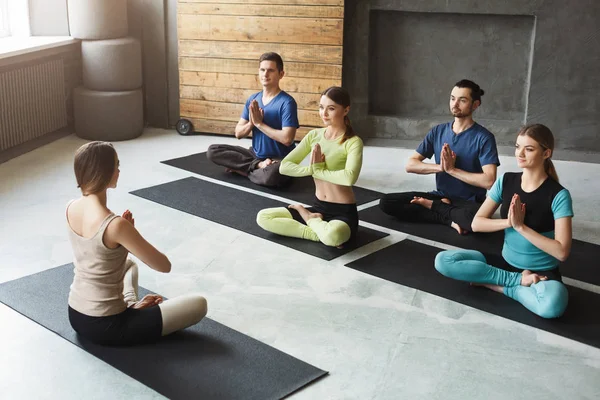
343, 161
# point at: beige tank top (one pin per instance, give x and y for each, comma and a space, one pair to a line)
97, 288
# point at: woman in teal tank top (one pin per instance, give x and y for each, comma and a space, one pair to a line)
335, 164
536, 216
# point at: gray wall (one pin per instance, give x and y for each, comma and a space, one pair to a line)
538, 61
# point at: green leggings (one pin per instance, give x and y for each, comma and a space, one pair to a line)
279, 220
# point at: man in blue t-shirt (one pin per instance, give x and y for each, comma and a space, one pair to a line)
272, 118
466, 161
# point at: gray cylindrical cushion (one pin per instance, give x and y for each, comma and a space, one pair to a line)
97, 19
109, 116
112, 65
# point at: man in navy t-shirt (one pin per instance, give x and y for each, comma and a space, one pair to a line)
272, 117
466, 161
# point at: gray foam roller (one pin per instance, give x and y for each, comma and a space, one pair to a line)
109, 116
97, 19
112, 65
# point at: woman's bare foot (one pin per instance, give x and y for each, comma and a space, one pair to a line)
422, 202
528, 278
149, 300
495, 288
304, 213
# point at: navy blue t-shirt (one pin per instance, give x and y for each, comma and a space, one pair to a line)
474, 148
281, 112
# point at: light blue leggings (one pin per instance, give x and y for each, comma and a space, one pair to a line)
548, 299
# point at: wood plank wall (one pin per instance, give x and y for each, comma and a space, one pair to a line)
220, 43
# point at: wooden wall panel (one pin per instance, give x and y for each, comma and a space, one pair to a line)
220, 43
305, 101
272, 2
261, 29
262, 10
252, 50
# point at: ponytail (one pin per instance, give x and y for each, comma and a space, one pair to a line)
349, 130
550, 170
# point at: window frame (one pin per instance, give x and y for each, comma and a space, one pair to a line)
4, 21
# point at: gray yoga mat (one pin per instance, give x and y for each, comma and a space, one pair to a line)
581, 264
205, 361
301, 190
411, 264
237, 209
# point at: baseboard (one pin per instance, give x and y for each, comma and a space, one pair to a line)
31, 145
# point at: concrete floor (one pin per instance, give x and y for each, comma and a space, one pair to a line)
379, 340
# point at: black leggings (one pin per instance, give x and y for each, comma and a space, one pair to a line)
347, 213
459, 211
129, 327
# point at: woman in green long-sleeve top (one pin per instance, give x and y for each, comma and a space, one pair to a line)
335, 163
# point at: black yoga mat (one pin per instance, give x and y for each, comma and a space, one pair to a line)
301, 190
582, 263
412, 264
237, 209
205, 361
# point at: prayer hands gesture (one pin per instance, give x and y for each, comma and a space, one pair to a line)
128, 216
256, 113
317, 156
516, 212
448, 159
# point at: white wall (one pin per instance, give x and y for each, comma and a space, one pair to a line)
48, 17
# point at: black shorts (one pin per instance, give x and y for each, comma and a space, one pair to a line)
496, 260
127, 328
347, 213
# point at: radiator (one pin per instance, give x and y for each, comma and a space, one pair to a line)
32, 102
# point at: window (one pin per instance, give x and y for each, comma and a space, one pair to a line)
4, 27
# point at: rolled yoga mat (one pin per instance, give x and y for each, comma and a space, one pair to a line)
205, 361
582, 263
411, 264
237, 209
301, 190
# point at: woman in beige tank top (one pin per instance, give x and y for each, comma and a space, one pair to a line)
103, 303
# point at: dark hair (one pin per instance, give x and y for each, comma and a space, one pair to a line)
272, 57
476, 91
94, 166
341, 96
543, 135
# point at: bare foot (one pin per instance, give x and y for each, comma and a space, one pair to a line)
304, 213
150, 300
528, 278
460, 230
233, 171
495, 288
265, 163
422, 202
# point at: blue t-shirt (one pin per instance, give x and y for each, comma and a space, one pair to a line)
517, 250
474, 148
281, 112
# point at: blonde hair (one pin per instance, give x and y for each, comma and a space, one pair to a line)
543, 135
94, 165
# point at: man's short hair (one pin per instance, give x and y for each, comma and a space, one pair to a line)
272, 57
476, 91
